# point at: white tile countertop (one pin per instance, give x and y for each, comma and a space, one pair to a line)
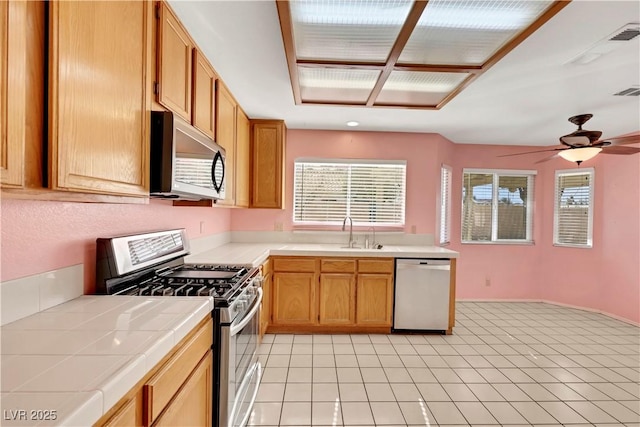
73, 362
256, 253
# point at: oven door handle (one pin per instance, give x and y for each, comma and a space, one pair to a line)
256, 306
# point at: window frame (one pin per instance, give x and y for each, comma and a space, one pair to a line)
445, 205
497, 173
556, 212
356, 162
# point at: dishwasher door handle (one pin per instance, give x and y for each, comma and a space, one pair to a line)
423, 264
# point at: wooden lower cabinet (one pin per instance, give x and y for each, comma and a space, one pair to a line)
129, 415
192, 405
294, 298
337, 299
375, 299
265, 310
331, 295
178, 391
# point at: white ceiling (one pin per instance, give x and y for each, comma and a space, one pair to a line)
525, 99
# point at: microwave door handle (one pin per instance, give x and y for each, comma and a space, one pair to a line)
216, 158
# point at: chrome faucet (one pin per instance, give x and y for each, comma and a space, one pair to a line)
373, 241
351, 241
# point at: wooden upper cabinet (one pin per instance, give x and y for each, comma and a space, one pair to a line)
267, 163
204, 95
173, 67
243, 135
21, 93
99, 100
226, 138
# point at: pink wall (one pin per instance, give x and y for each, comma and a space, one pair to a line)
42, 236
512, 270
420, 151
605, 277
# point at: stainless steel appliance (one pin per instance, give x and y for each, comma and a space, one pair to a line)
153, 264
185, 163
422, 295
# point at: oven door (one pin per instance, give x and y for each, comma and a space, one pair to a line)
244, 370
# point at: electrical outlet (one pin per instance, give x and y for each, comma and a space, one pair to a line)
487, 282
413, 229
201, 227
277, 226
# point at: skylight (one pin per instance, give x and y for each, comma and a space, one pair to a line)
400, 53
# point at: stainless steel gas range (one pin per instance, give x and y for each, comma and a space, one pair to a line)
153, 264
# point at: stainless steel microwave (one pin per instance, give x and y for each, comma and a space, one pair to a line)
185, 163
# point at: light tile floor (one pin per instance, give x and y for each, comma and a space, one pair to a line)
508, 364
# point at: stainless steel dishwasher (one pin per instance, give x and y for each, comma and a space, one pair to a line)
422, 295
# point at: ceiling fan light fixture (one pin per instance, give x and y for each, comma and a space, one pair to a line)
579, 155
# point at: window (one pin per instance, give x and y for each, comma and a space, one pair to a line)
370, 192
573, 208
497, 206
445, 204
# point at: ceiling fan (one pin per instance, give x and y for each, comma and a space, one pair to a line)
581, 145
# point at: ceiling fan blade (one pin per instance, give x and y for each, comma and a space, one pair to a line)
624, 140
530, 152
546, 159
620, 150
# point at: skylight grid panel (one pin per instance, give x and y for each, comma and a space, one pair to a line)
332, 84
468, 32
419, 87
362, 30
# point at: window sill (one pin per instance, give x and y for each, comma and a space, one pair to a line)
531, 243
566, 245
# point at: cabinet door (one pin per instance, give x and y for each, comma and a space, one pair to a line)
265, 314
204, 95
337, 299
242, 158
226, 137
129, 415
267, 163
99, 101
374, 299
21, 93
294, 298
173, 63
192, 405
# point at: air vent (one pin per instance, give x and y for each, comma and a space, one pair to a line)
608, 44
626, 35
632, 91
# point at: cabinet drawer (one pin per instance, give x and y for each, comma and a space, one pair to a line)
375, 265
294, 264
161, 388
338, 265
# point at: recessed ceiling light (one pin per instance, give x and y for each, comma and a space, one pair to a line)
352, 123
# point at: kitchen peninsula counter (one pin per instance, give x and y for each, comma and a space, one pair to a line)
70, 364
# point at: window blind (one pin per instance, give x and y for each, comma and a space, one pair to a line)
573, 209
371, 193
497, 206
445, 204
